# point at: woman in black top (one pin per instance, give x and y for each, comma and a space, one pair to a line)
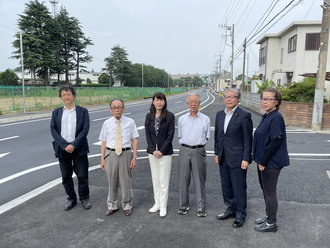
159, 128
271, 155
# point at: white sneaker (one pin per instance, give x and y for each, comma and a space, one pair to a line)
154, 209
162, 212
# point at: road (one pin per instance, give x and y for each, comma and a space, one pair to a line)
303, 193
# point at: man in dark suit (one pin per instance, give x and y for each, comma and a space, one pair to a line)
232, 147
69, 127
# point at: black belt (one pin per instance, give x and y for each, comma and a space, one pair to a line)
123, 149
193, 147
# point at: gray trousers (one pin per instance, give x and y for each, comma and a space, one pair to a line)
192, 161
118, 171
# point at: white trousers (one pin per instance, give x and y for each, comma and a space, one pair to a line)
160, 173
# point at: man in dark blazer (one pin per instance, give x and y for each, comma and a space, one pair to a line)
232, 147
69, 127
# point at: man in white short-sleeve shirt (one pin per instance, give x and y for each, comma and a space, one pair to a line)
119, 137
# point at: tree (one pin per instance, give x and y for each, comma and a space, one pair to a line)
80, 43
70, 45
104, 78
36, 24
8, 77
118, 65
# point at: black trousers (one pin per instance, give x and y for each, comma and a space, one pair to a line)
268, 181
233, 184
72, 162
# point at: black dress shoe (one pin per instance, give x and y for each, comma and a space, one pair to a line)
86, 204
264, 227
69, 205
226, 216
260, 220
238, 222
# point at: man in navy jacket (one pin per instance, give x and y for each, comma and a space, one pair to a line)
69, 127
232, 147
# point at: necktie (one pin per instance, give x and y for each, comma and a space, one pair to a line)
118, 149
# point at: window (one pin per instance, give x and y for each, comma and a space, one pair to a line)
262, 56
292, 44
312, 41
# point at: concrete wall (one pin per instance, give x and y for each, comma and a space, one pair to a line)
297, 114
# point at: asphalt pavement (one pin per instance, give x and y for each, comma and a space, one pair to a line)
41, 221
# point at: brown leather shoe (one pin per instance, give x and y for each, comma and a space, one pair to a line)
110, 212
127, 212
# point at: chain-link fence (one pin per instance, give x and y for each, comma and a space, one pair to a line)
36, 98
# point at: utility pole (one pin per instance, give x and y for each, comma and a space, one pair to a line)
321, 71
243, 88
232, 50
232, 56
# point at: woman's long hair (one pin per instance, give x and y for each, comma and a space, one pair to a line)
161, 96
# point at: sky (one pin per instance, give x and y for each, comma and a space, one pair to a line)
179, 36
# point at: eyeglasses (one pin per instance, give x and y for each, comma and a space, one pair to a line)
117, 108
267, 99
230, 97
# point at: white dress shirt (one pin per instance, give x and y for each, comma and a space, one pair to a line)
228, 118
128, 132
193, 131
68, 124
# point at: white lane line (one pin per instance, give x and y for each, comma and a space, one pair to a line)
8, 138
19, 200
4, 154
178, 101
14, 203
310, 154
22, 173
103, 118
328, 140
23, 122
140, 128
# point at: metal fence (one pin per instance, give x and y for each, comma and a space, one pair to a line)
36, 98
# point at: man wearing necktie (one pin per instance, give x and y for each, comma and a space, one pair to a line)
118, 137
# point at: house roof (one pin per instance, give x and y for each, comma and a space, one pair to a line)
293, 25
313, 75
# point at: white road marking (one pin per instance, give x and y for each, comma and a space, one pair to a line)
23, 122
8, 138
9, 205
140, 128
178, 101
328, 140
4, 154
310, 154
22, 173
19, 200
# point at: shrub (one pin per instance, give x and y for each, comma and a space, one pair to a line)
300, 92
265, 85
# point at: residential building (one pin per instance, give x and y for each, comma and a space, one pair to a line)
287, 56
